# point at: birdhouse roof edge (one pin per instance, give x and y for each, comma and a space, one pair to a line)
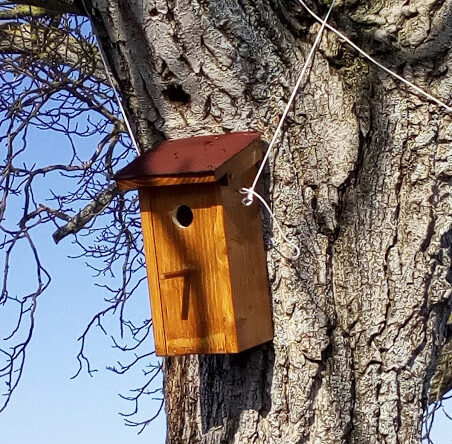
193, 155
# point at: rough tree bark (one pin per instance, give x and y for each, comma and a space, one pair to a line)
360, 180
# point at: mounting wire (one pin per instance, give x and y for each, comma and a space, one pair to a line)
248, 200
295, 247
365, 54
250, 192
118, 99
110, 79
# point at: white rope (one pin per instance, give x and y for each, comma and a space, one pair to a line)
248, 200
250, 192
110, 79
247, 191
363, 53
118, 99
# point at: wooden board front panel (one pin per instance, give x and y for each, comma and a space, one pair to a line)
193, 269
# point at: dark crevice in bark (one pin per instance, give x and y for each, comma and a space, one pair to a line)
292, 16
446, 248
363, 34
432, 222
315, 390
430, 233
378, 392
441, 312
350, 426
175, 93
329, 278
351, 180
398, 418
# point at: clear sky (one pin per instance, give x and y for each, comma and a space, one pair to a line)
442, 425
49, 407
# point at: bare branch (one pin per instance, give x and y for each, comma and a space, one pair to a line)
53, 7
52, 47
45, 92
95, 207
22, 11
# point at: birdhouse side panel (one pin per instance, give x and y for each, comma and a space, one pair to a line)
152, 271
248, 267
193, 269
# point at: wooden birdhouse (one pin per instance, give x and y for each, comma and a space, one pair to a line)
204, 250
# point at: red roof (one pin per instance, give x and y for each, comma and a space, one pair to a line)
201, 154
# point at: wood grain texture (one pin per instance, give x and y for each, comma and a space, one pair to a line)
152, 271
198, 313
241, 162
248, 265
158, 181
209, 287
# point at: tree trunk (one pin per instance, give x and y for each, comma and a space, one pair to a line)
359, 180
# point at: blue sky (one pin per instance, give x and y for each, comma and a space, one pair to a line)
48, 406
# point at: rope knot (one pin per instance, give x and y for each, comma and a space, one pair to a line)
248, 199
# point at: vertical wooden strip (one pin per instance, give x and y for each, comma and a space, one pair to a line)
248, 266
152, 271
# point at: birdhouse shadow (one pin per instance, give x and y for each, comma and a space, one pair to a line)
235, 383
262, 188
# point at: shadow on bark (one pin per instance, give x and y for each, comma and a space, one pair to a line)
232, 384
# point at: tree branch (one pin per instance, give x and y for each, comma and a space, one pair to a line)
22, 11
96, 206
52, 7
52, 46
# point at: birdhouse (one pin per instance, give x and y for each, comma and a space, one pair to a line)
205, 257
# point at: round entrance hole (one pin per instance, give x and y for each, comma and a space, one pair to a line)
183, 216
